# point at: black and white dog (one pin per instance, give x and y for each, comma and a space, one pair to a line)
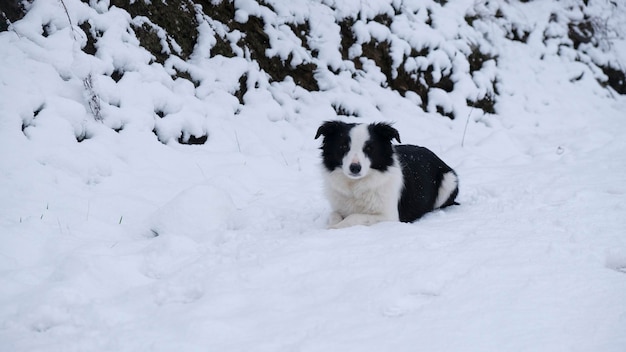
369, 180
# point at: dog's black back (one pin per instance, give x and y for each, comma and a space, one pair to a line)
423, 172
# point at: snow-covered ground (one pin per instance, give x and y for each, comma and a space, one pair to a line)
120, 242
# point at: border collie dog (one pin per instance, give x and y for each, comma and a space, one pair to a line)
369, 180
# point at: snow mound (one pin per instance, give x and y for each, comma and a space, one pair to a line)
201, 213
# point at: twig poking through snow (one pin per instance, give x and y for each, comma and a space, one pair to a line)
465, 129
67, 12
92, 98
69, 19
237, 139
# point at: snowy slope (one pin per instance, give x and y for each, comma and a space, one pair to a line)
113, 238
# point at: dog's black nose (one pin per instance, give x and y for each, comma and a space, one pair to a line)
355, 168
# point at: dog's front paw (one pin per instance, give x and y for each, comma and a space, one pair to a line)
334, 219
347, 222
357, 219
339, 225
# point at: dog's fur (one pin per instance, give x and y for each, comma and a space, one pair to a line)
369, 180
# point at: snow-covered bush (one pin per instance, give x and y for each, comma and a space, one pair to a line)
440, 56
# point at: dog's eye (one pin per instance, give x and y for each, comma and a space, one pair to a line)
367, 148
344, 147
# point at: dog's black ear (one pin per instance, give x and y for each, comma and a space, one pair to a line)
328, 128
320, 131
386, 130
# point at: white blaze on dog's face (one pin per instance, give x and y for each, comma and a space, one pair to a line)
356, 164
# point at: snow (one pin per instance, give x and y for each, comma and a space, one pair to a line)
126, 242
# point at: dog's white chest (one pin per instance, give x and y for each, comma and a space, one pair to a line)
376, 194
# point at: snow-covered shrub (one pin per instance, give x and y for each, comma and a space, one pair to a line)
400, 40
440, 56
576, 30
590, 33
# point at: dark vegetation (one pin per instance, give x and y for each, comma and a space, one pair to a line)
10, 11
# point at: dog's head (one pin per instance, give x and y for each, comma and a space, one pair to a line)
357, 148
